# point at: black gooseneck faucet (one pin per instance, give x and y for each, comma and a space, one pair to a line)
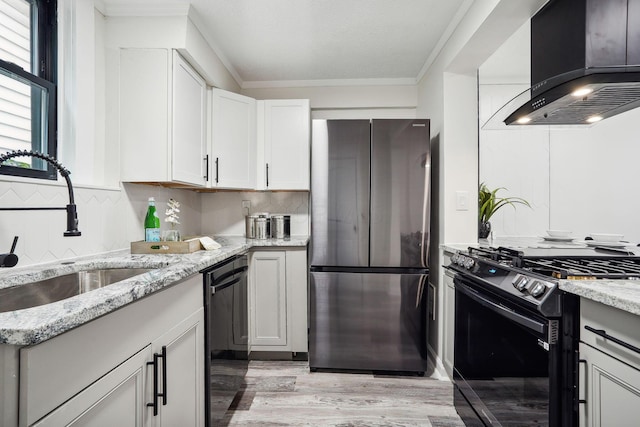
72, 214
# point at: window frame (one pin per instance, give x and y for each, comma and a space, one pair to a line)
44, 50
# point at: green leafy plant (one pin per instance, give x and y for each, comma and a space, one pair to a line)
489, 202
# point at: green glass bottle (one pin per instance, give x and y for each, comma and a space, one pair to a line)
152, 223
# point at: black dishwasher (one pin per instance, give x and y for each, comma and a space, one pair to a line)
226, 335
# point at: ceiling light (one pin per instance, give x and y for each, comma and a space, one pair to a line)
523, 120
581, 92
594, 119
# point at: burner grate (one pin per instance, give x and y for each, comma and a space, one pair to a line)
586, 268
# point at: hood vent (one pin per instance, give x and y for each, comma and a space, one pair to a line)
585, 62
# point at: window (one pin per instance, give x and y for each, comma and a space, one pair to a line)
28, 47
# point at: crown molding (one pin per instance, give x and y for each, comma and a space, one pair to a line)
160, 8
329, 83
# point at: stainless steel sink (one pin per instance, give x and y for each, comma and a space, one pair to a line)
61, 287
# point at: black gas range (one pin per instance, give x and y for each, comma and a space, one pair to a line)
516, 332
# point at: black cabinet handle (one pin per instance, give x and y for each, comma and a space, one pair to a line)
154, 404
164, 375
605, 335
585, 375
206, 167
267, 174
156, 393
217, 166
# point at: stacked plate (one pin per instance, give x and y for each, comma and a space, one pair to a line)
606, 240
558, 236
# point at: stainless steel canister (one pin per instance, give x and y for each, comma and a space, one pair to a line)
277, 226
287, 227
261, 228
250, 226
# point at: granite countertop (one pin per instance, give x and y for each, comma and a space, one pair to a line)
37, 324
621, 294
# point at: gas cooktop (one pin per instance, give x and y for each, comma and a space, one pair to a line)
529, 276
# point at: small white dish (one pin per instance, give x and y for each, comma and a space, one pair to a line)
557, 239
603, 237
594, 243
559, 233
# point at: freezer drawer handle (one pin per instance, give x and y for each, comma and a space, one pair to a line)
605, 335
156, 393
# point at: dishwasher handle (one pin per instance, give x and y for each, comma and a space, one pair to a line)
225, 285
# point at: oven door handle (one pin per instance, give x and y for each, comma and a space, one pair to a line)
503, 311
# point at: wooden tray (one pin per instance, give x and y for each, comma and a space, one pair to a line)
190, 244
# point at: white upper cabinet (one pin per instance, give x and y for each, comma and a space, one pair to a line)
162, 118
233, 140
283, 144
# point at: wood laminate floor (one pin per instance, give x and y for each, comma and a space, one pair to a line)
285, 393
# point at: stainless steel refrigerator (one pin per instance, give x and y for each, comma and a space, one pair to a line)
370, 204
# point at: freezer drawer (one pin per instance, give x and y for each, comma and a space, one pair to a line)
368, 321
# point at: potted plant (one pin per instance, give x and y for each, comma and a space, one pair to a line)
489, 203
172, 217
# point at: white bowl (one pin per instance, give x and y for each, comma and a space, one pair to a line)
603, 237
558, 233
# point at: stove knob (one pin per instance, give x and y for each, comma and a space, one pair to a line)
454, 258
537, 289
469, 263
520, 283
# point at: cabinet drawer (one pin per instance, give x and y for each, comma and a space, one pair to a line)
610, 324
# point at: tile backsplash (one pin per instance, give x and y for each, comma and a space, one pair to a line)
109, 219
223, 214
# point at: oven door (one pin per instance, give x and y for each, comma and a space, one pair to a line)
504, 362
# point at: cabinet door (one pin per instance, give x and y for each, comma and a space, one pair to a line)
612, 390
145, 85
117, 399
184, 392
233, 140
286, 144
188, 142
268, 299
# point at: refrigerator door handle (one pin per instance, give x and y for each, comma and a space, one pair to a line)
426, 212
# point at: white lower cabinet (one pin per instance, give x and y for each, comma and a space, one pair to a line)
278, 300
613, 390
103, 373
449, 321
609, 371
182, 348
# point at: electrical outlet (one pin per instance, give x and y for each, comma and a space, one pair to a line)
246, 204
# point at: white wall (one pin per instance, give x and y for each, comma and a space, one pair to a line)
447, 94
348, 102
580, 179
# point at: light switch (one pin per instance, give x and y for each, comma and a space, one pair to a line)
462, 200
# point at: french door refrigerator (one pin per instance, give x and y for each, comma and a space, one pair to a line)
370, 204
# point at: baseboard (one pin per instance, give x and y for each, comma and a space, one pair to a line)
439, 372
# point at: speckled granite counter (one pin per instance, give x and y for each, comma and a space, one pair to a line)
37, 324
621, 294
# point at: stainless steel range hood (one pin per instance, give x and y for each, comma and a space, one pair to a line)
585, 62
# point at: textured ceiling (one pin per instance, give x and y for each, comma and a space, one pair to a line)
267, 41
